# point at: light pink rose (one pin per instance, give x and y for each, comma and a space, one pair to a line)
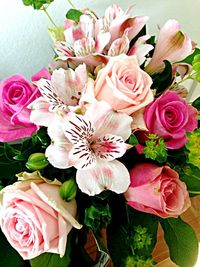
123, 84
157, 190
171, 117
34, 218
16, 93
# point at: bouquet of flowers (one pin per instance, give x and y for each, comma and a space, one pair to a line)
101, 146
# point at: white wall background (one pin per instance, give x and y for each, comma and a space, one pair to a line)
25, 46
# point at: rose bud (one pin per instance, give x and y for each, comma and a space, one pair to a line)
36, 161
68, 190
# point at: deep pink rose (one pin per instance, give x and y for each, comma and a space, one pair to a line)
123, 84
157, 190
171, 117
34, 218
15, 94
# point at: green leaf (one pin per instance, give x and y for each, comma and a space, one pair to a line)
162, 80
196, 103
74, 14
9, 257
54, 260
133, 140
190, 58
37, 4
191, 176
181, 241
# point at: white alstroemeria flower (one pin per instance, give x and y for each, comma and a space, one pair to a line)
91, 143
61, 93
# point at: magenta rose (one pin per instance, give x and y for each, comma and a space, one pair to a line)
124, 85
157, 190
171, 117
16, 93
34, 218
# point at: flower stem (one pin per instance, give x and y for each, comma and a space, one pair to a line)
49, 17
71, 4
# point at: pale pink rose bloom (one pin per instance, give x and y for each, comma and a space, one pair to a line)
157, 190
34, 218
59, 94
123, 84
91, 143
94, 40
172, 45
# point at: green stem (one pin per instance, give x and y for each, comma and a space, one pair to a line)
49, 17
71, 4
128, 220
185, 79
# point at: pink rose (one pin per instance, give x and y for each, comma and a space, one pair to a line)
15, 94
171, 117
123, 84
157, 190
34, 218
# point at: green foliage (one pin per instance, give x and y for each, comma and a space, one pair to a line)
162, 80
196, 103
37, 4
193, 146
190, 174
97, 217
196, 67
10, 257
190, 58
133, 140
155, 148
126, 234
181, 240
137, 261
141, 238
74, 14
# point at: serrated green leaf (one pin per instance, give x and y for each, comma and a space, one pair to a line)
133, 140
196, 103
181, 241
74, 14
37, 4
190, 175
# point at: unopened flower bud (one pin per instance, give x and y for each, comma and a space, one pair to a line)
68, 190
37, 161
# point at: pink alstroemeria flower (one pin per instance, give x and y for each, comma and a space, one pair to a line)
91, 143
62, 92
94, 40
172, 45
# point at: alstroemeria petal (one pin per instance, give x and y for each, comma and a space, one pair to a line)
119, 46
109, 147
172, 45
81, 156
111, 175
77, 128
49, 92
107, 121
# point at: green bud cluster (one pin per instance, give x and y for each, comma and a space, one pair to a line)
155, 148
196, 67
137, 261
193, 145
141, 238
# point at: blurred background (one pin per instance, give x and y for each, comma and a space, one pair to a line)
25, 46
